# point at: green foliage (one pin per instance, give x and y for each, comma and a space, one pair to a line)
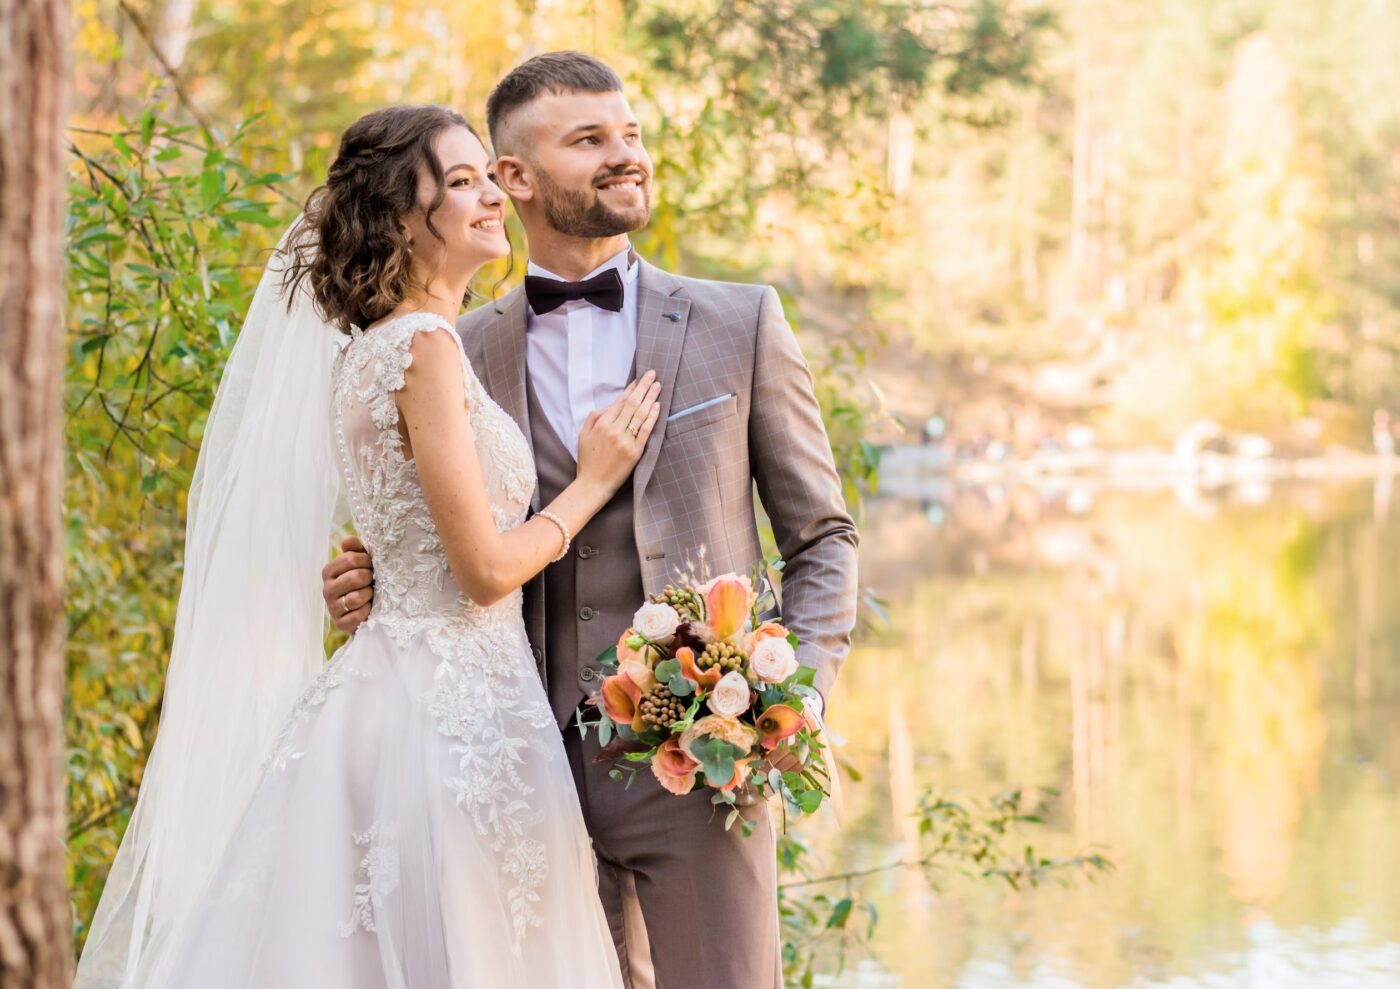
973, 839
164, 230
785, 103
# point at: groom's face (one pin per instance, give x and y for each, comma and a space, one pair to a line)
580, 158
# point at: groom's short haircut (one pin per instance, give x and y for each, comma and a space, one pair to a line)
553, 72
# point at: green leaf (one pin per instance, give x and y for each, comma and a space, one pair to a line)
667, 669
840, 913
211, 188
680, 686
608, 658
259, 216
717, 758
148, 126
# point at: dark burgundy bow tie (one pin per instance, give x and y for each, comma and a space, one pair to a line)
548, 294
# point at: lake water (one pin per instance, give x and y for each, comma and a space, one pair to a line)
1211, 682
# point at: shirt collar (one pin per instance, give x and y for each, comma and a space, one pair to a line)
619, 261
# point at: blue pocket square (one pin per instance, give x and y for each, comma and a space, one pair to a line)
698, 408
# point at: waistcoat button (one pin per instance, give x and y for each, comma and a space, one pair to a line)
586, 613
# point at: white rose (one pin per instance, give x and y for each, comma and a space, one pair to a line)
773, 660
730, 698
656, 622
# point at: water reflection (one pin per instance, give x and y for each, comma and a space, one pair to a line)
1212, 684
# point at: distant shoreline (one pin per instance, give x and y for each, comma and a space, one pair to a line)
903, 467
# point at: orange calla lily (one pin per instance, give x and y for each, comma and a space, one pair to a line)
728, 606
778, 723
703, 678
622, 700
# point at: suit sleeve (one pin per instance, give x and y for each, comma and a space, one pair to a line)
801, 491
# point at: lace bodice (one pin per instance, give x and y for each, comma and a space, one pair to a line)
414, 589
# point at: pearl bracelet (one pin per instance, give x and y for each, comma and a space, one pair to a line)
563, 531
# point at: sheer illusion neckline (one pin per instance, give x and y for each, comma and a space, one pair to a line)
419, 319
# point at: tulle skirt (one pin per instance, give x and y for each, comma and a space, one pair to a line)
416, 828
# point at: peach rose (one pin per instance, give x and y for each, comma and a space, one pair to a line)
674, 767
731, 696
773, 660
768, 630
639, 672
631, 646
639, 662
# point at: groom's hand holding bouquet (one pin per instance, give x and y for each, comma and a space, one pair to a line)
707, 694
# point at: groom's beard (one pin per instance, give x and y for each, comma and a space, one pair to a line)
579, 214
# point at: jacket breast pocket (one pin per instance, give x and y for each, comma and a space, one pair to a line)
702, 414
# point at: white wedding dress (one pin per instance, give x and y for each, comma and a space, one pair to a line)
416, 826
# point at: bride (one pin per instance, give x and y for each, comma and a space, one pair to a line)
404, 815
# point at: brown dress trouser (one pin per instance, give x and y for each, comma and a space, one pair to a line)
707, 896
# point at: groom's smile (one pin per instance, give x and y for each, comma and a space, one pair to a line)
630, 187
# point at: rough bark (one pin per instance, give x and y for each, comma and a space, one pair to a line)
35, 942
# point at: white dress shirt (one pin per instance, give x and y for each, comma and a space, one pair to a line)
579, 356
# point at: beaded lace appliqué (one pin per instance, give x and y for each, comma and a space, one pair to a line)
379, 874
479, 697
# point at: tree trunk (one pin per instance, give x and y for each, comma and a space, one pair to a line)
35, 941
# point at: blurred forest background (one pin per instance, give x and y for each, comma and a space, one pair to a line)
1020, 216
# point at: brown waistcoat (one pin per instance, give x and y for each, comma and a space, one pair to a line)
591, 594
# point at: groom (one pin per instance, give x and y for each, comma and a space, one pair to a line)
736, 408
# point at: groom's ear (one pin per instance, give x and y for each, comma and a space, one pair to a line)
514, 178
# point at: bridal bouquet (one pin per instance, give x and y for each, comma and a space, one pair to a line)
703, 692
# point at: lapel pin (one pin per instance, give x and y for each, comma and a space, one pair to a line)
674, 317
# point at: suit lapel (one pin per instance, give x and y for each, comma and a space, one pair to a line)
505, 364
505, 359
662, 316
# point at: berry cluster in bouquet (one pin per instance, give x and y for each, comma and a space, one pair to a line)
705, 693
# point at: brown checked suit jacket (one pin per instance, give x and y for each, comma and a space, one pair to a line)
737, 409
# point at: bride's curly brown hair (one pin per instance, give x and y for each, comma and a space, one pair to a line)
350, 249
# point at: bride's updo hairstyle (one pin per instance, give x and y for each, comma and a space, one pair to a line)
351, 250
